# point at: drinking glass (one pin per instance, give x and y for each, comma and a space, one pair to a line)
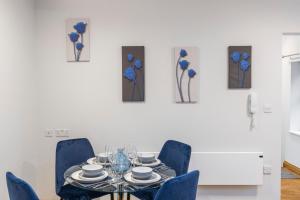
107, 150
132, 154
111, 160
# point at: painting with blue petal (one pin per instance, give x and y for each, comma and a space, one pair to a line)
186, 73
239, 67
78, 40
133, 73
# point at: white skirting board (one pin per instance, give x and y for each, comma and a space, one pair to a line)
228, 168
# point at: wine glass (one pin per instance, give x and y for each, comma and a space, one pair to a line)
132, 153
107, 152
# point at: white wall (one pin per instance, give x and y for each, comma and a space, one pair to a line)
295, 96
86, 97
17, 76
290, 100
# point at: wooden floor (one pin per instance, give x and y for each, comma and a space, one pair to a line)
290, 189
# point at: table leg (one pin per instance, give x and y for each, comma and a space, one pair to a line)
120, 196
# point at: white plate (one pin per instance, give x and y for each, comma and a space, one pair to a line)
78, 177
94, 161
154, 178
155, 163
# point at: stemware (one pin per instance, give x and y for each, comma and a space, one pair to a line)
108, 152
132, 153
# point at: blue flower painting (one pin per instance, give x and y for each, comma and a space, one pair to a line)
186, 74
133, 84
239, 67
78, 40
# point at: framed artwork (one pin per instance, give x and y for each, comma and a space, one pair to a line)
78, 40
133, 73
239, 73
186, 74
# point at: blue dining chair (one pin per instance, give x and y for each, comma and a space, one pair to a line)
69, 153
175, 155
19, 189
182, 187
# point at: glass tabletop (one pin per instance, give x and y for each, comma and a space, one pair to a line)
119, 185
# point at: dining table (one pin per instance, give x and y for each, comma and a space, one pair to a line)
119, 185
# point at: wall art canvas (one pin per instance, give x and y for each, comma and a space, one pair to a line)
186, 74
133, 73
239, 75
78, 40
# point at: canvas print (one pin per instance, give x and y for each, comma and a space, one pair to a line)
133, 73
186, 74
78, 40
239, 67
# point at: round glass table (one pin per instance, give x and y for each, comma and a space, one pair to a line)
119, 185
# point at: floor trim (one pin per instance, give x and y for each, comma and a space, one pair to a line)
291, 167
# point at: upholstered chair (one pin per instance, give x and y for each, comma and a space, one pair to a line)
182, 187
69, 153
175, 155
19, 189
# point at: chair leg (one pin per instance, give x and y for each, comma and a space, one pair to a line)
112, 197
128, 196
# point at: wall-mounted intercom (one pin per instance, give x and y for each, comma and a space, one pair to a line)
252, 108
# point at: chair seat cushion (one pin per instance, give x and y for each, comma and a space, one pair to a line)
69, 191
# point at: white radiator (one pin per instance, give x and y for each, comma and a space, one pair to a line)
228, 168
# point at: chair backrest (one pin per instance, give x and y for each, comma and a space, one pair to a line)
69, 153
19, 189
182, 187
176, 155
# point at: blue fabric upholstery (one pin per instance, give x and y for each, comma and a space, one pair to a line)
69, 153
19, 189
183, 187
146, 195
175, 155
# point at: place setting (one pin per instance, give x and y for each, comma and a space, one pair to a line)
149, 160
142, 176
90, 174
147, 172
100, 159
146, 160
